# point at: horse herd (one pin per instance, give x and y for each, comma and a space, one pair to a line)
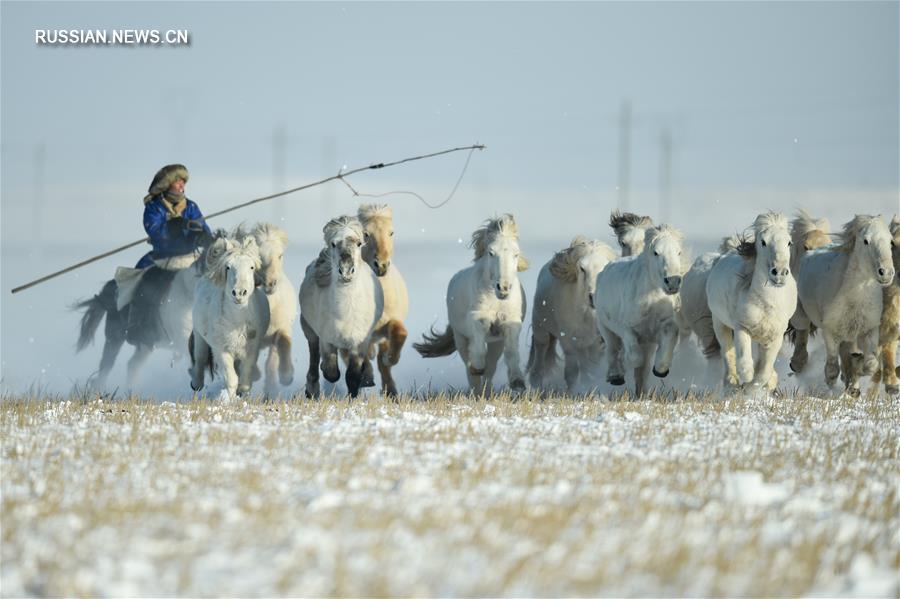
777, 280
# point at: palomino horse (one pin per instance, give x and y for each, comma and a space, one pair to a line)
229, 318
629, 229
889, 331
152, 308
272, 242
840, 291
389, 334
635, 301
485, 307
563, 312
807, 233
340, 303
751, 296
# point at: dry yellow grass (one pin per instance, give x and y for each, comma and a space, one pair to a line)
451, 496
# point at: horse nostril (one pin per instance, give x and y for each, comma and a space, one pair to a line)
774, 272
234, 293
880, 272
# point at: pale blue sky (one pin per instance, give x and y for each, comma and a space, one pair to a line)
541, 84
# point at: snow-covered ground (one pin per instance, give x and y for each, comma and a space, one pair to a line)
452, 497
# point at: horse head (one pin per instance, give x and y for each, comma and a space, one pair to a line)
580, 263
232, 265
772, 246
869, 238
662, 251
378, 232
497, 244
344, 239
629, 229
272, 241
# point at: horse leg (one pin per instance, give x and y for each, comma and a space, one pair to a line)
199, 360
245, 374
272, 362
801, 326
832, 348
868, 344
491, 359
665, 349
589, 361
889, 373
725, 336
477, 349
462, 346
330, 369
367, 373
141, 353
743, 355
640, 370
511, 332
615, 372
354, 374
388, 386
765, 370
537, 358
397, 334
312, 373
115, 337
226, 359
570, 369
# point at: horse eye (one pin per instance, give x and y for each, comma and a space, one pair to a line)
492, 253
252, 268
790, 243
333, 244
365, 235
763, 242
392, 233
866, 241
359, 244
655, 253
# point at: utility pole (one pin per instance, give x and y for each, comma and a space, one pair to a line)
37, 204
279, 164
665, 175
624, 154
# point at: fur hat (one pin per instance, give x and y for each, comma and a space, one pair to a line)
163, 178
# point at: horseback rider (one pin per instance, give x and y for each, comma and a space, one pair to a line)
174, 223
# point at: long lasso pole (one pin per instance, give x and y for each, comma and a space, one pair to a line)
340, 175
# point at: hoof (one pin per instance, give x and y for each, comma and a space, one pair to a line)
367, 381
796, 367
853, 392
892, 389
618, 381
196, 388
331, 376
476, 371
659, 374
517, 385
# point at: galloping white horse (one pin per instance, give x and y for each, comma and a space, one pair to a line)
485, 307
563, 311
752, 295
340, 303
389, 334
840, 291
229, 318
635, 302
272, 242
629, 229
695, 313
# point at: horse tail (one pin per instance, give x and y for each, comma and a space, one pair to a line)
435, 345
530, 356
94, 310
208, 358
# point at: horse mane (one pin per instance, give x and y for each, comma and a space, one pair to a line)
895, 226
847, 236
322, 268
222, 249
335, 225
368, 212
622, 221
730, 243
663, 230
264, 232
564, 265
804, 225
501, 226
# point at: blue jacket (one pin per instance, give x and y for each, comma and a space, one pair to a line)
170, 237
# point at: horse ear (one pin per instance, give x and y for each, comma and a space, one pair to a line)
522, 264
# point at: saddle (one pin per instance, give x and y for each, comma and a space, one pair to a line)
141, 291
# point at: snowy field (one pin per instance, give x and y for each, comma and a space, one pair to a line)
452, 497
